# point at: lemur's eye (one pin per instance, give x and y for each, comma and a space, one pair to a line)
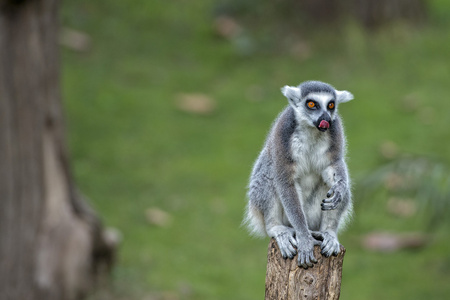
331, 105
311, 104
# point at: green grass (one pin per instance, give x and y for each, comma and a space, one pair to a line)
133, 149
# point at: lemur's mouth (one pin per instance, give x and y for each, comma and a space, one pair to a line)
324, 125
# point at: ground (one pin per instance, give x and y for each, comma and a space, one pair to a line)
134, 147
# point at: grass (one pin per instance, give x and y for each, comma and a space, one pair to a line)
132, 149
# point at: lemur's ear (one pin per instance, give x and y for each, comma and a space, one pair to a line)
292, 94
343, 96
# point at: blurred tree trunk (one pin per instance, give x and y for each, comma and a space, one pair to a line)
51, 243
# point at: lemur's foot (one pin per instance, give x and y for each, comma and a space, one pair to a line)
305, 247
286, 242
330, 244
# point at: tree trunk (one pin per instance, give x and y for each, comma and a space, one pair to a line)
51, 243
286, 281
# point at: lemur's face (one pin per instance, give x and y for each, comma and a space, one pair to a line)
318, 109
316, 102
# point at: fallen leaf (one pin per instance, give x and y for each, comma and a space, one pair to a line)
196, 103
227, 27
389, 149
410, 103
112, 236
401, 207
75, 40
390, 242
158, 217
394, 181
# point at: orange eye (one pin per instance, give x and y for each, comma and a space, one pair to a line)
331, 105
311, 104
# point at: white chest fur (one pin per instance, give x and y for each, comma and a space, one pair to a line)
309, 151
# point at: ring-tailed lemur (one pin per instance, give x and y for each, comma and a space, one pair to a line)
299, 191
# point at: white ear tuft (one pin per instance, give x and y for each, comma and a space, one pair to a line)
292, 93
344, 96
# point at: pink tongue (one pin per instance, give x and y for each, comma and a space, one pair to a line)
324, 124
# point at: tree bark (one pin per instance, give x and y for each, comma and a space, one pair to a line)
51, 242
286, 281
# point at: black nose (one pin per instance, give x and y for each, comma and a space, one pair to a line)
325, 117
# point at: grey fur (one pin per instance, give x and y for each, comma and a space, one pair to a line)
299, 191
316, 87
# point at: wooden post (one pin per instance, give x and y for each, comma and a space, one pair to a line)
286, 281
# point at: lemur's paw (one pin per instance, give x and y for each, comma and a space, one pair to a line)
334, 196
286, 242
305, 248
306, 259
330, 244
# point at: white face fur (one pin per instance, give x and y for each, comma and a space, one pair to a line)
317, 109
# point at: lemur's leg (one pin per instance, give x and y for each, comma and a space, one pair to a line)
283, 234
291, 199
336, 204
328, 233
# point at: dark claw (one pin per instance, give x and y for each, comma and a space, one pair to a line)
331, 203
306, 260
328, 200
328, 206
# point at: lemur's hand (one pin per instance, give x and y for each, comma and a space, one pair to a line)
305, 249
286, 242
334, 195
330, 244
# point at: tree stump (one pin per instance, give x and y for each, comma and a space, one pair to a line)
286, 281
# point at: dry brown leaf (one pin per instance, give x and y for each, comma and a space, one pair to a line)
401, 207
389, 149
112, 236
158, 217
390, 242
410, 103
196, 103
75, 40
227, 27
394, 181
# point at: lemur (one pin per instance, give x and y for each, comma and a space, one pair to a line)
299, 190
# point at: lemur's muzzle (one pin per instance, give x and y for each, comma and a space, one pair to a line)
325, 122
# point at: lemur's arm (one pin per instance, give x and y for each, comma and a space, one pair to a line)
288, 190
336, 177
